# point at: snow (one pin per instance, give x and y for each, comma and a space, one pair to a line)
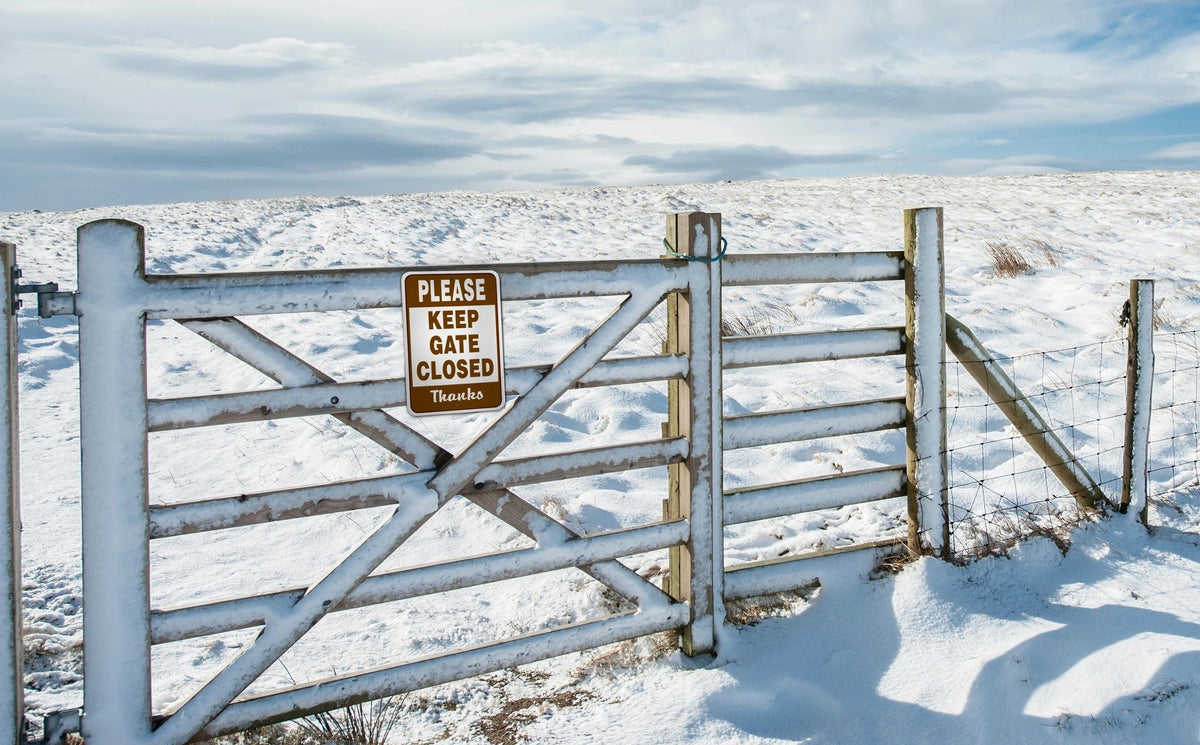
1095, 646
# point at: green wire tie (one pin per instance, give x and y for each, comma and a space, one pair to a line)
709, 260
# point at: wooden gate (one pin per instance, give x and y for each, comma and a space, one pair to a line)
116, 299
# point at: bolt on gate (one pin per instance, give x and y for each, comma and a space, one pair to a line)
116, 299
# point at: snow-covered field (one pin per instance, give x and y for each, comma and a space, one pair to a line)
1099, 645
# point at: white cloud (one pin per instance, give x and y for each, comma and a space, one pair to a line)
825, 78
265, 58
1182, 151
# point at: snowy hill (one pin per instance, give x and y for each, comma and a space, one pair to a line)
1099, 645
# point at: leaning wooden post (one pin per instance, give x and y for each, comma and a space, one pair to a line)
12, 689
696, 570
1139, 388
925, 363
113, 452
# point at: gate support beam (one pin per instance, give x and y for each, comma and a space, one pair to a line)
925, 366
696, 571
12, 688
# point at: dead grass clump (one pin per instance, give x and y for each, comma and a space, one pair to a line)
627, 655
758, 320
752, 611
504, 726
997, 533
893, 563
368, 723
271, 734
1007, 260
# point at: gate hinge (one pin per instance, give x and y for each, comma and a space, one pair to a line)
50, 301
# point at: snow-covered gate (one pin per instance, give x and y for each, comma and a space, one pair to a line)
116, 298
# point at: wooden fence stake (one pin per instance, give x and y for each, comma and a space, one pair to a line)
1139, 387
696, 569
925, 365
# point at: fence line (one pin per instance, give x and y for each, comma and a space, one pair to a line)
999, 492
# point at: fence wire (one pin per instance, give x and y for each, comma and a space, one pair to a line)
1174, 419
999, 489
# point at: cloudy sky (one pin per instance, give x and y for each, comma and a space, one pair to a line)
140, 101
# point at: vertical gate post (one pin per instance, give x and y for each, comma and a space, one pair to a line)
12, 686
116, 555
696, 572
925, 357
1139, 389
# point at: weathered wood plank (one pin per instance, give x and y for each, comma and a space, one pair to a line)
752, 430
777, 269
784, 349
820, 493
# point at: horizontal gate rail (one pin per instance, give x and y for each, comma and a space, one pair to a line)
250, 293
777, 269
340, 398
199, 296
306, 501
175, 624
579, 463
807, 495
311, 698
783, 349
753, 430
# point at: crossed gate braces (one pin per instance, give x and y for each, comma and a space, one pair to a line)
116, 300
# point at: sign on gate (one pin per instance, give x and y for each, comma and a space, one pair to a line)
454, 341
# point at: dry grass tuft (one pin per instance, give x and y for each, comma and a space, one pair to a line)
271, 734
1007, 261
504, 726
758, 320
997, 533
893, 564
368, 723
752, 611
358, 724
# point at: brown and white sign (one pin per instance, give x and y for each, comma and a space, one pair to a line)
455, 345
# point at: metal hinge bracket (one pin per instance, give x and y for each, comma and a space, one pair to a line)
50, 301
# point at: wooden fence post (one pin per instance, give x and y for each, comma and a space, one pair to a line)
12, 689
1139, 387
925, 358
696, 570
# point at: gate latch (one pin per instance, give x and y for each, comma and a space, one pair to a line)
47, 292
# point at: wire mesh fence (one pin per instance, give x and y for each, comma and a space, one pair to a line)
999, 489
1174, 419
